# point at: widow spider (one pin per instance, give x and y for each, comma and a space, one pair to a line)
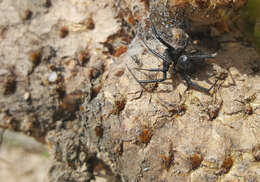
183, 62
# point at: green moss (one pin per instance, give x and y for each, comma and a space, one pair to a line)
257, 29
253, 20
253, 8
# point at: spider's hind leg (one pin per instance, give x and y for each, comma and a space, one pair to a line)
152, 69
154, 52
149, 81
158, 37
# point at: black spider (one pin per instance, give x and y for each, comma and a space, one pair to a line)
183, 62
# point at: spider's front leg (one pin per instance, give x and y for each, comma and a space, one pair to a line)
194, 85
197, 57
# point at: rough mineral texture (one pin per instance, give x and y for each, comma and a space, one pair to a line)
65, 70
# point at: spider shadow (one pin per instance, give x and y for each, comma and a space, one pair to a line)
237, 50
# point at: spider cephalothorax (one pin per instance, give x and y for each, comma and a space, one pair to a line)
183, 62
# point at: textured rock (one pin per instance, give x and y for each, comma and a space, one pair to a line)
95, 117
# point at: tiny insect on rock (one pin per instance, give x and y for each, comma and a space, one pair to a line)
183, 62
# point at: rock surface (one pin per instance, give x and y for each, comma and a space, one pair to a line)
64, 81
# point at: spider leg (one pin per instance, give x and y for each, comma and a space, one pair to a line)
149, 81
152, 69
155, 53
194, 85
196, 57
158, 37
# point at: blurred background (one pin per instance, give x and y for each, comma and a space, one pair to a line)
252, 15
23, 158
